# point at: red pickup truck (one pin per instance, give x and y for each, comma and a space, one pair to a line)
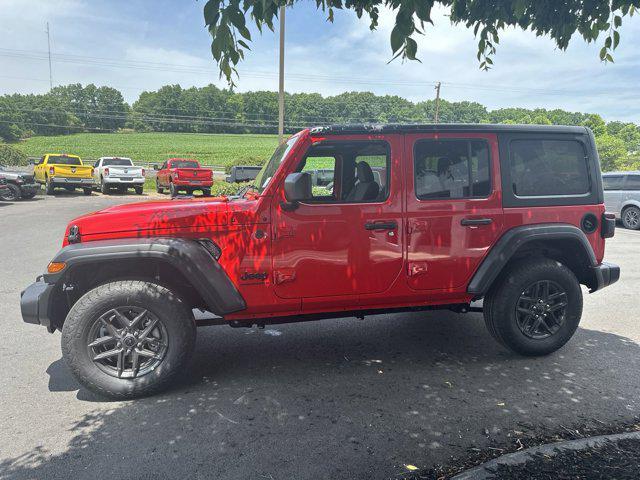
183, 174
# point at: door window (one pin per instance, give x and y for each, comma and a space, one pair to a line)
612, 183
348, 172
451, 169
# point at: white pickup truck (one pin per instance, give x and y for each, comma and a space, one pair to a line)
117, 172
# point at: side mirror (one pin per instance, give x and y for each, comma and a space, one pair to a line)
297, 187
155, 166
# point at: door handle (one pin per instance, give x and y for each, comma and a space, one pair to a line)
470, 222
393, 225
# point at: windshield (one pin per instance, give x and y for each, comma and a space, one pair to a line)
117, 162
271, 167
184, 164
62, 160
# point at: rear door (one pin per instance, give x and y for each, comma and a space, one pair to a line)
454, 209
347, 240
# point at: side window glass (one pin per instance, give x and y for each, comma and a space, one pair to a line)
632, 183
451, 169
612, 183
548, 168
349, 171
322, 170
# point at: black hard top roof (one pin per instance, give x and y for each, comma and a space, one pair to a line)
442, 127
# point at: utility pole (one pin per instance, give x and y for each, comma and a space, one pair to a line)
281, 81
438, 85
49, 45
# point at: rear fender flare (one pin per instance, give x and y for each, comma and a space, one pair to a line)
518, 237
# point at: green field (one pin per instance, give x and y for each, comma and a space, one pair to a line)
210, 149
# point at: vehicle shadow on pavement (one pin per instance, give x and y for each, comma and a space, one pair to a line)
341, 399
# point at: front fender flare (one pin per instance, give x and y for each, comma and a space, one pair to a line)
188, 256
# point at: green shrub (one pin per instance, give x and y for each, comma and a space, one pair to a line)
12, 156
225, 188
251, 161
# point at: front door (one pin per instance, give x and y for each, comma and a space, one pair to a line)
454, 208
347, 239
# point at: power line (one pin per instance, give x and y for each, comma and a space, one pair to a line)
178, 68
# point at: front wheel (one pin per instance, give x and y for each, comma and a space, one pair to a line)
631, 218
535, 307
159, 189
128, 339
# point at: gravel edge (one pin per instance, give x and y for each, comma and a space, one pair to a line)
481, 472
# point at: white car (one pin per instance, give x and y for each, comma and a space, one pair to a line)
117, 172
622, 196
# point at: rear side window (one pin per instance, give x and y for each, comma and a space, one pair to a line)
451, 169
548, 168
632, 183
612, 183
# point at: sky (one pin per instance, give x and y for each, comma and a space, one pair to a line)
138, 45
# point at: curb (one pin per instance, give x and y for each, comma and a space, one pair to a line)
482, 472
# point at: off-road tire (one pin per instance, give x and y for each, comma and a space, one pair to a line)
630, 216
500, 305
161, 302
13, 195
139, 190
48, 186
159, 189
104, 188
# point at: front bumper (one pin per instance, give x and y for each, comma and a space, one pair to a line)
35, 301
67, 182
123, 181
606, 274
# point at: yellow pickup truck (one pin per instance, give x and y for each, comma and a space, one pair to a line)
62, 170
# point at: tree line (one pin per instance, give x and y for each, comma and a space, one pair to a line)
76, 108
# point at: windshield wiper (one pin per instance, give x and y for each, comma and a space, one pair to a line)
244, 190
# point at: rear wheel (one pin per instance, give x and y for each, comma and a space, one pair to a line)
159, 189
535, 307
206, 192
48, 186
172, 190
104, 188
87, 191
139, 190
128, 339
631, 218
13, 193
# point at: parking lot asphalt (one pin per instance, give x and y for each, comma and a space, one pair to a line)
323, 400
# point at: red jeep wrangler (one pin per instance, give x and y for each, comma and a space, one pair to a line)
183, 174
342, 221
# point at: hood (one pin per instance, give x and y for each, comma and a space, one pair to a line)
168, 218
13, 174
